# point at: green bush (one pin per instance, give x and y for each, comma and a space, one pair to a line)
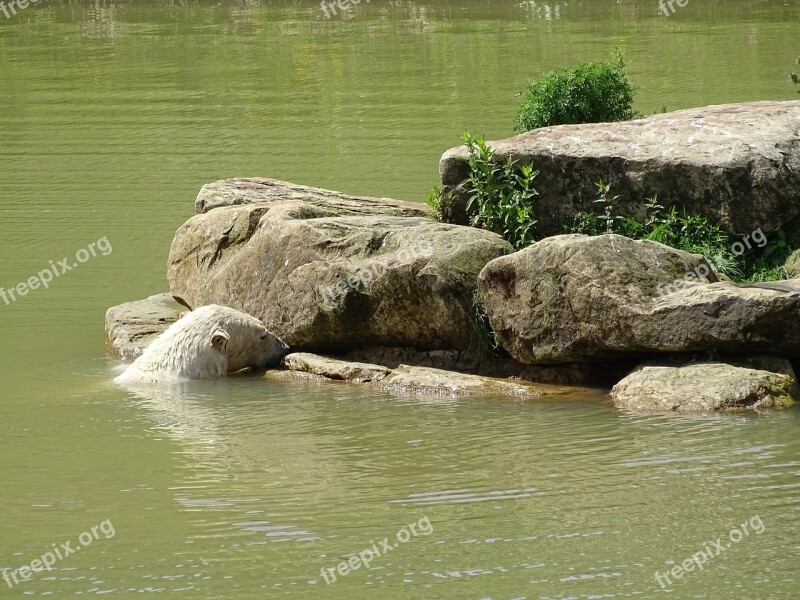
694, 233
500, 193
591, 92
441, 204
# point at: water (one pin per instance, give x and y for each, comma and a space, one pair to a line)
112, 115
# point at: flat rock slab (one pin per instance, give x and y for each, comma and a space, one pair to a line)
332, 368
409, 380
736, 164
424, 381
705, 387
260, 190
130, 327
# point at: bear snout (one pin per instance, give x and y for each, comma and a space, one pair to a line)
280, 349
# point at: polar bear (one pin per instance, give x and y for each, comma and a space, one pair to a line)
206, 343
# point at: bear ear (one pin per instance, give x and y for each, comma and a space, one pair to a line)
219, 340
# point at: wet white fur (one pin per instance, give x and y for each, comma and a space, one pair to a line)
205, 344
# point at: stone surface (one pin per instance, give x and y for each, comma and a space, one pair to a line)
424, 381
573, 298
792, 265
332, 368
736, 164
330, 284
254, 190
705, 387
130, 327
594, 373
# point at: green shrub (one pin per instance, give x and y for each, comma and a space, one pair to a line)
441, 204
591, 92
694, 233
484, 339
500, 193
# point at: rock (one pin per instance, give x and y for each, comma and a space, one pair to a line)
330, 284
130, 327
332, 368
242, 191
706, 387
425, 381
392, 357
595, 373
792, 265
736, 164
573, 298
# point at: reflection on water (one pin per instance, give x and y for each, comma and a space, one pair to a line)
255, 485
113, 114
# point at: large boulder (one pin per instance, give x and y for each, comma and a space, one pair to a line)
252, 190
736, 164
333, 283
706, 387
571, 298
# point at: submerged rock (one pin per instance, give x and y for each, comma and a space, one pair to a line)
572, 298
130, 327
332, 368
736, 164
706, 387
333, 283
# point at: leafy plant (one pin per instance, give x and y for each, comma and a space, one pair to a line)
485, 342
590, 92
653, 210
500, 193
441, 204
605, 200
694, 233
766, 263
795, 77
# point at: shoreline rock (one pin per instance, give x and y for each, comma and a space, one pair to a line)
130, 327
704, 387
736, 164
573, 298
413, 380
264, 191
332, 284
331, 368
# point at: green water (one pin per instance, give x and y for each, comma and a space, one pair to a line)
112, 115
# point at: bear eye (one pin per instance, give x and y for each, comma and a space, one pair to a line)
264, 335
